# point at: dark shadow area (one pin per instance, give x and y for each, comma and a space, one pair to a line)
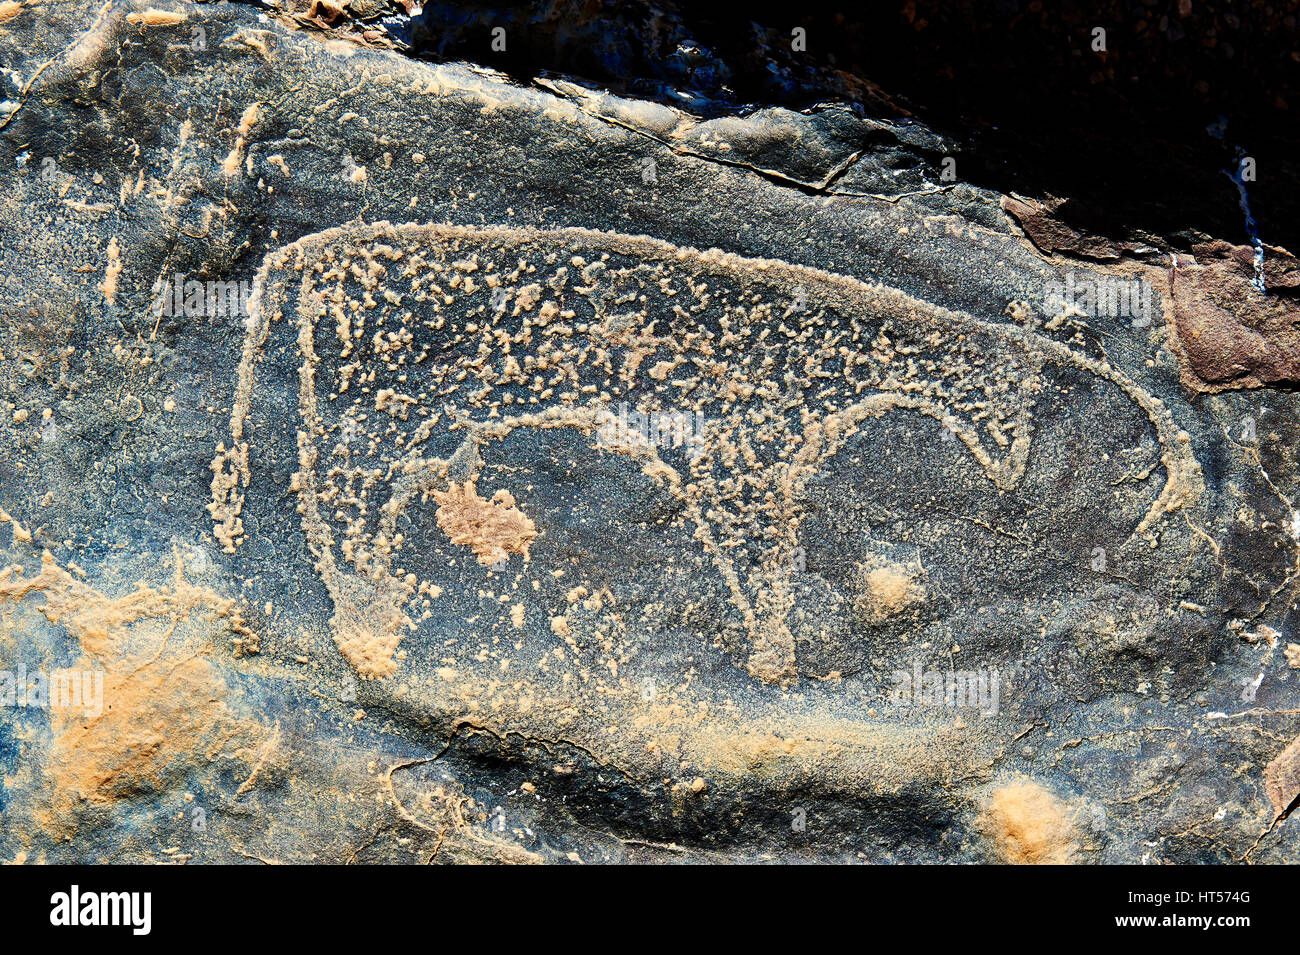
1137, 130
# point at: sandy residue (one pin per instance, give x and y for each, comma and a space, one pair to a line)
21, 534
112, 270
229, 472
99, 621
462, 825
1030, 826
885, 589
494, 529
367, 622
741, 751
164, 711
159, 721
153, 17
230, 165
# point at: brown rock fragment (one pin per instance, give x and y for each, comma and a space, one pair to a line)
1051, 235
1282, 778
1227, 334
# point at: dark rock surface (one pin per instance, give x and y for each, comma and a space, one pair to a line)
372, 570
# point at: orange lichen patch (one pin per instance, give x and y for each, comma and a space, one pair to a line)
1030, 826
9, 9
493, 529
163, 711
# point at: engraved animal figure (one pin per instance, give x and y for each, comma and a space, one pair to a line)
411, 336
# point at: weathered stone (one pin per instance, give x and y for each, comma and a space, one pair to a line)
432, 466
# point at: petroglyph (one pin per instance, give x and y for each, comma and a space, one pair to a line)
421, 346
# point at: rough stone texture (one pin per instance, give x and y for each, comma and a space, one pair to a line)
1231, 336
901, 461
